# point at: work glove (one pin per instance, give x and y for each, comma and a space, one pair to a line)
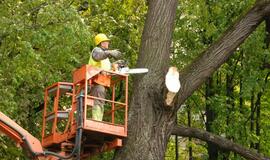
115, 53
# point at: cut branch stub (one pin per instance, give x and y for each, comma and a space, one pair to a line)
173, 85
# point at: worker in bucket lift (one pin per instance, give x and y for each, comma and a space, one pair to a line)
99, 58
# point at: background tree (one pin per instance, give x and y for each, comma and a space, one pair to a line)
42, 42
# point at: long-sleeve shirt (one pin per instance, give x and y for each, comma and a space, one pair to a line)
100, 58
99, 54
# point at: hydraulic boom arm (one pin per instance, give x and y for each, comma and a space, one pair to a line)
28, 142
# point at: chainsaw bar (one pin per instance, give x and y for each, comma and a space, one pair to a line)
133, 71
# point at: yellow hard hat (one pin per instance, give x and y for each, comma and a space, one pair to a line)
101, 38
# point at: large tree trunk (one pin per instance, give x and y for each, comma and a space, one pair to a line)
150, 121
150, 124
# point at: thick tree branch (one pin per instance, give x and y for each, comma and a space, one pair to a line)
195, 74
217, 140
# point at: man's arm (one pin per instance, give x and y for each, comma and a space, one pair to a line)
99, 54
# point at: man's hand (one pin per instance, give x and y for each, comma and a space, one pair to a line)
115, 53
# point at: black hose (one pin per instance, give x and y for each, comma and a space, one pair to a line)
79, 118
80, 122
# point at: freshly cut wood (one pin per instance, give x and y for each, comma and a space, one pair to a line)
172, 83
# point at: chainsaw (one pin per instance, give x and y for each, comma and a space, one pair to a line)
121, 66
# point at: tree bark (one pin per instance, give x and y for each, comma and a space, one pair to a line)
229, 101
252, 111
267, 31
229, 94
189, 138
210, 117
150, 122
176, 141
258, 113
258, 122
217, 140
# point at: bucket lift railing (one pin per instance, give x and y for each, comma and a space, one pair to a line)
108, 79
78, 132
53, 114
99, 136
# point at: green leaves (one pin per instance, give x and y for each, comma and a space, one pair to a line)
42, 42
199, 24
